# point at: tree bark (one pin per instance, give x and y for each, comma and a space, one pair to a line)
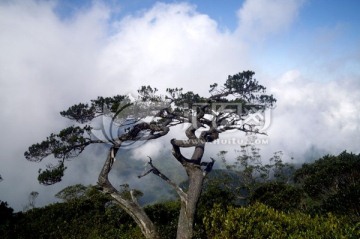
189, 199
188, 206
137, 213
131, 205
196, 178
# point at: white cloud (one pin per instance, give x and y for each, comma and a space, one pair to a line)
315, 114
171, 43
45, 66
151, 149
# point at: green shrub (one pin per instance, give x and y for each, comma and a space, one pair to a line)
333, 184
165, 216
279, 196
261, 221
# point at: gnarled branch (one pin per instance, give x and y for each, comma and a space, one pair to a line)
157, 172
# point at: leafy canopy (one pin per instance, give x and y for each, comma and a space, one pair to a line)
150, 116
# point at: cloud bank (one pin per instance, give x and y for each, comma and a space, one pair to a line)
49, 63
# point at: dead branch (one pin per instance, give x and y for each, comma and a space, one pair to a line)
157, 172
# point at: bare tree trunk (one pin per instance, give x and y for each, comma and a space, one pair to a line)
196, 178
137, 213
131, 206
188, 207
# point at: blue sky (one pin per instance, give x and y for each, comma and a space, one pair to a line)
224, 14
333, 24
58, 53
314, 13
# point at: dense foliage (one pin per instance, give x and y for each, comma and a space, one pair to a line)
275, 209
333, 184
279, 195
261, 221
